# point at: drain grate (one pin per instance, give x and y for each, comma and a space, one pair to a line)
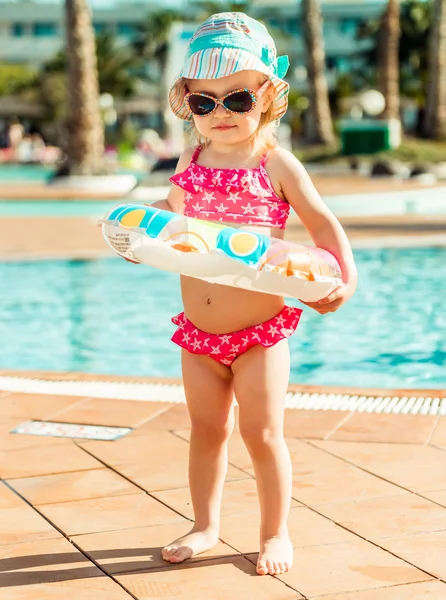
162, 392
424, 405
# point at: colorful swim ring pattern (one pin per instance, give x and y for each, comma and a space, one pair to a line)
218, 253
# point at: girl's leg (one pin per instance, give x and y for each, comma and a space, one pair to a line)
260, 384
209, 395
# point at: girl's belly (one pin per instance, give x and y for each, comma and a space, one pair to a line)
222, 309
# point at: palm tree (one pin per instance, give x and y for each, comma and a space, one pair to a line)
152, 44
117, 66
389, 60
318, 88
85, 130
435, 123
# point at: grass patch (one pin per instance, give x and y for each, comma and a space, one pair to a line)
411, 150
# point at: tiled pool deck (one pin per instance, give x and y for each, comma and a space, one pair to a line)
85, 520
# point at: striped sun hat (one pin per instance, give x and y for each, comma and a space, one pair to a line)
227, 43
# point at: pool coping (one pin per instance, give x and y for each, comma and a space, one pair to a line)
154, 389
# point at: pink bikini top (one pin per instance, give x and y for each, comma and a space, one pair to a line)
233, 195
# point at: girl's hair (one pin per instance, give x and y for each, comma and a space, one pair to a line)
263, 139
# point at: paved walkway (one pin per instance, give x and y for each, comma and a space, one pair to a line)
85, 520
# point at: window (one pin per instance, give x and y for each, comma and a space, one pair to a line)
18, 29
45, 29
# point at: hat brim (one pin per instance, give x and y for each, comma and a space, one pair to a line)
215, 63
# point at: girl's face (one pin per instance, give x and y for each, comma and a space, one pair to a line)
223, 126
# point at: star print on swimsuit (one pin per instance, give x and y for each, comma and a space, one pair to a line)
241, 195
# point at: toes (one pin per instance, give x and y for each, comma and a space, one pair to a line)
271, 567
282, 568
180, 554
262, 569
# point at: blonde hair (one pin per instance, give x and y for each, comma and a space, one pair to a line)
263, 139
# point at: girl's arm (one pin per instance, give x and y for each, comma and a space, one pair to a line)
175, 199
323, 227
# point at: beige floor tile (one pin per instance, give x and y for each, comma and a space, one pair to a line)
171, 418
319, 478
24, 524
376, 518
108, 514
93, 588
429, 590
145, 449
439, 436
46, 460
130, 550
346, 567
305, 526
66, 487
109, 412
9, 499
35, 406
43, 561
323, 486
439, 497
313, 424
383, 427
417, 468
424, 550
238, 497
167, 472
220, 579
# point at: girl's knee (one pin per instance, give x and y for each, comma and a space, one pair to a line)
213, 432
261, 439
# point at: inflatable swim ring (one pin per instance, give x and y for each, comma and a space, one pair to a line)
220, 254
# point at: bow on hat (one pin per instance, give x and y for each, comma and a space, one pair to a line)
279, 65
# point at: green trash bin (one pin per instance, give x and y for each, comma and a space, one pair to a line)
367, 136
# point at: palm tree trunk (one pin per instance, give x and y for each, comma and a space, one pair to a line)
85, 143
435, 123
389, 60
318, 88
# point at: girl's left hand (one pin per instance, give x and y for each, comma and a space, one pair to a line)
334, 300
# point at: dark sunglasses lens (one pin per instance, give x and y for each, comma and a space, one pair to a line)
201, 105
239, 102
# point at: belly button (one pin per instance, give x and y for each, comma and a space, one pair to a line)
208, 301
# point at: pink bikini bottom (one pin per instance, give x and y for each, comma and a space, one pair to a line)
225, 348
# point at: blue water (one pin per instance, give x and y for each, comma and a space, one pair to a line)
25, 173
108, 316
56, 208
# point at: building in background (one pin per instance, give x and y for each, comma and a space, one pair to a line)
32, 31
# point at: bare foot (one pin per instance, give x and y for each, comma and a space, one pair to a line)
193, 543
275, 556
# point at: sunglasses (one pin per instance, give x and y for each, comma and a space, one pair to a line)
239, 101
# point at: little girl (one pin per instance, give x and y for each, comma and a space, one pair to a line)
233, 341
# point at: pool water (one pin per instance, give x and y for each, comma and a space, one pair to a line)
111, 317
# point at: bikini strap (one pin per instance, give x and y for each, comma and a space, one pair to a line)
264, 159
196, 154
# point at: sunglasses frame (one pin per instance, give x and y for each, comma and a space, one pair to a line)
255, 96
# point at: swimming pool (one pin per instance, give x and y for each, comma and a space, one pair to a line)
107, 316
